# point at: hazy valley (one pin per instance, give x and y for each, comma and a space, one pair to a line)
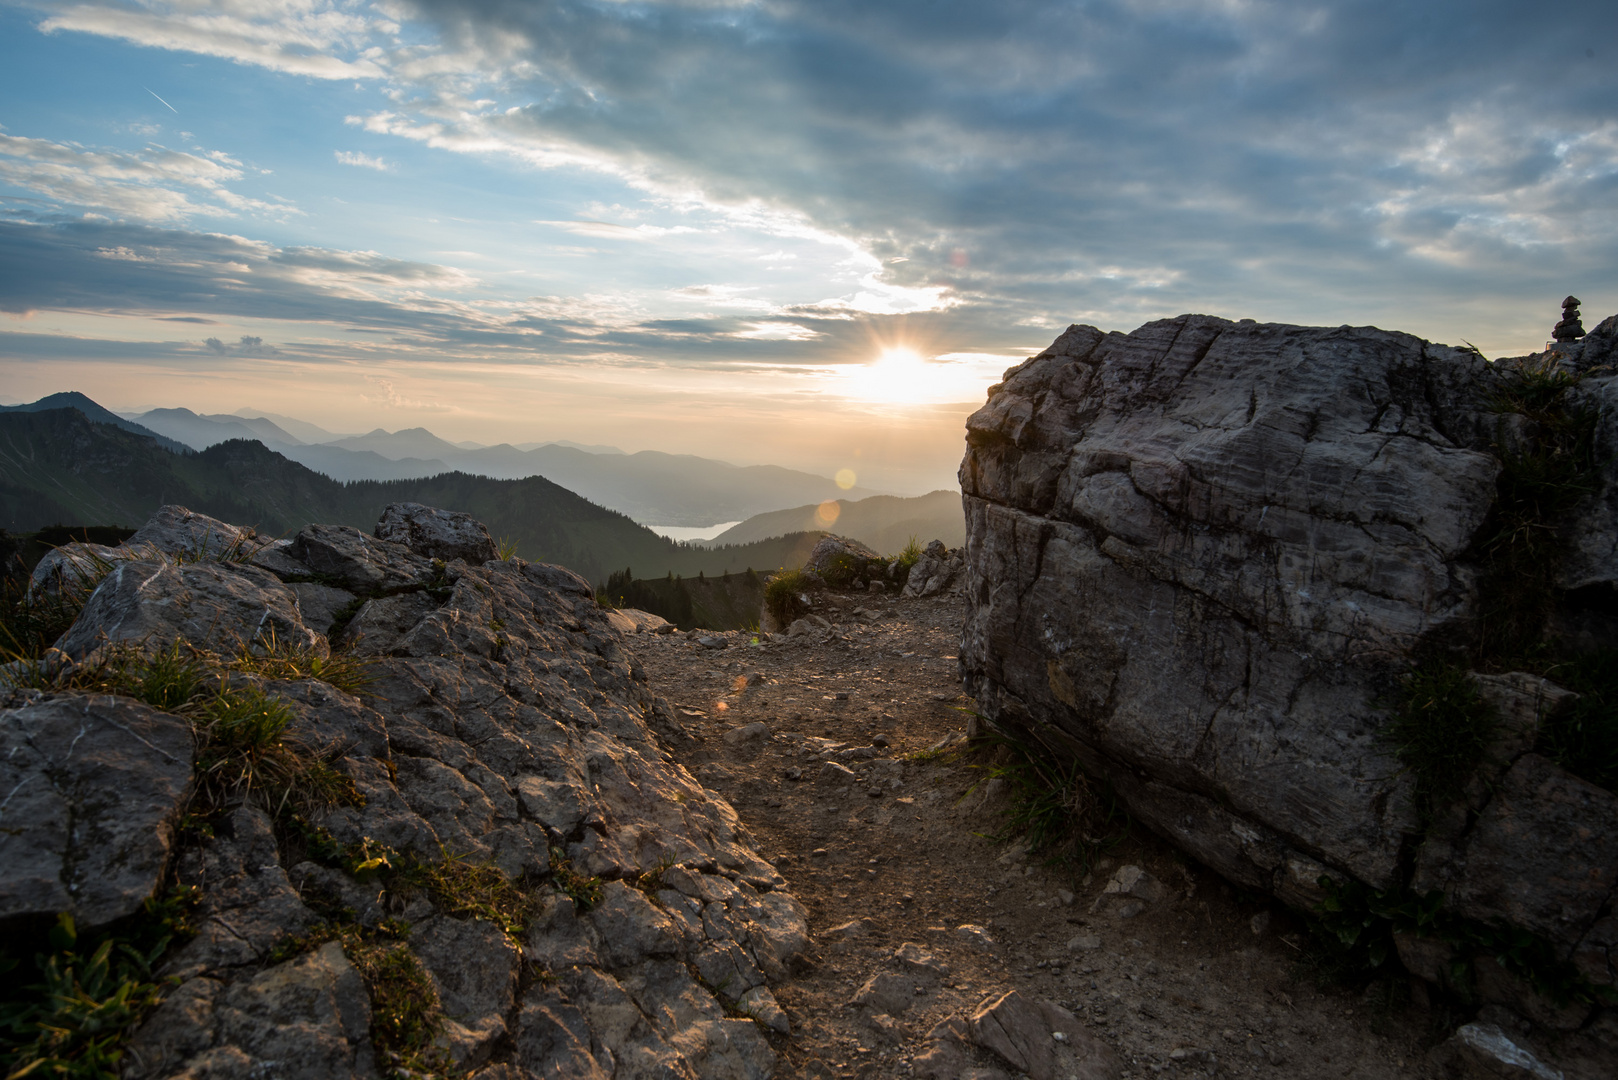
68, 461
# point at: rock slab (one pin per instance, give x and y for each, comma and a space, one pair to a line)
91, 789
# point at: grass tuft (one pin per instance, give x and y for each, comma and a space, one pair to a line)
245, 755
272, 658
1064, 814
1440, 728
585, 891
90, 993
911, 555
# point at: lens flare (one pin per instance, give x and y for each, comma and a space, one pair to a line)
828, 512
845, 478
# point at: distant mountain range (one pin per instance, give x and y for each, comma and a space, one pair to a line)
885, 523
72, 399
85, 467
649, 486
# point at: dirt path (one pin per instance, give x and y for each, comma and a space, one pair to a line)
884, 850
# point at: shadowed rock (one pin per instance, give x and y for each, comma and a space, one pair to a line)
91, 786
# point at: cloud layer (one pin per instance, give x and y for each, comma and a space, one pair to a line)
789, 183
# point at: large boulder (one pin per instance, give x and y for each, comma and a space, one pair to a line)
358, 563
843, 563
221, 604
185, 534
1200, 555
437, 534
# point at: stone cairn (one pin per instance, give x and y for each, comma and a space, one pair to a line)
1570, 328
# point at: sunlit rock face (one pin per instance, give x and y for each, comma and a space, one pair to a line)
1200, 554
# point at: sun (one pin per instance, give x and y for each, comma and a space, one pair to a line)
897, 377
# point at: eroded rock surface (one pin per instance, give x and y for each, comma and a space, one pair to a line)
89, 791
1199, 557
1272, 513
505, 725
220, 605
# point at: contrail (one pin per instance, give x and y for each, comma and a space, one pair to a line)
172, 109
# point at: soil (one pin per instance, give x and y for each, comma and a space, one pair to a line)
1203, 981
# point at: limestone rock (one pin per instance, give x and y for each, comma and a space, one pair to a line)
307, 1019
1484, 1052
186, 535
71, 572
93, 785
1129, 892
380, 625
936, 571
248, 903
843, 563
1543, 855
363, 564
319, 604
505, 725
761, 1005
474, 970
437, 534
221, 605
277, 558
1274, 513
1043, 1040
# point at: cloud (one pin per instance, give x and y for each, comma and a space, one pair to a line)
1019, 163
152, 184
362, 160
249, 345
777, 331
371, 306
302, 37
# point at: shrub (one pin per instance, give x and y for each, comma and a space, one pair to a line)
842, 570
784, 596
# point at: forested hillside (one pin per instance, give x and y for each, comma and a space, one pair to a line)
57, 467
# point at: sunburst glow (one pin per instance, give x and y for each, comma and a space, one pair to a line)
897, 377
900, 376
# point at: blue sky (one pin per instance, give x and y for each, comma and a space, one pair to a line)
702, 225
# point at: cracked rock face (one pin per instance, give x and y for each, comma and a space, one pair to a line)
1201, 551
89, 788
152, 602
505, 725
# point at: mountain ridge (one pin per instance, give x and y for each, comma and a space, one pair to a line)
652, 486
58, 466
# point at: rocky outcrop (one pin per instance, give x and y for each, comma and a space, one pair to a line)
1200, 555
504, 726
938, 570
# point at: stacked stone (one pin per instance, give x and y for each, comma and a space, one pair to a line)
1570, 328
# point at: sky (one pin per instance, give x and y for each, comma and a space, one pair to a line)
804, 233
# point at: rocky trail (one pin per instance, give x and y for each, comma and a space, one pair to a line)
918, 917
